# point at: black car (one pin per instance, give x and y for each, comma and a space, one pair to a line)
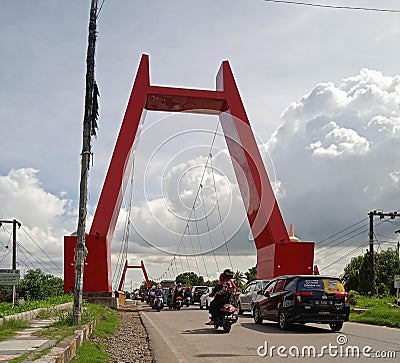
303, 299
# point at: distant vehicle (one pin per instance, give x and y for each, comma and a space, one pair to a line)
247, 296
135, 294
205, 299
303, 299
197, 291
167, 283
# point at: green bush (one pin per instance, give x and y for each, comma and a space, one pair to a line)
36, 285
354, 297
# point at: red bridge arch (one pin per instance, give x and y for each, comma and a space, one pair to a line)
276, 253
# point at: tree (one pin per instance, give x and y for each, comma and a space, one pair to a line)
5, 293
240, 279
387, 264
356, 273
36, 285
190, 279
251, 274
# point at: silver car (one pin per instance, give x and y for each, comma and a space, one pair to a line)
246, 297
205, 298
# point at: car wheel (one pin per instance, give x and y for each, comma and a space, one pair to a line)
240, 309
257, 315
282, 320
336, 326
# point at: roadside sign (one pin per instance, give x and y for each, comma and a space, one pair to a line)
397, 281
9, 277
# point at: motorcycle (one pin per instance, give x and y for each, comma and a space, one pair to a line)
228, 316
178, 303
158, 303
170, 302
187, 301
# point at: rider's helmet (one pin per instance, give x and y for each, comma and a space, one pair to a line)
179, 285
228, 274
159, 286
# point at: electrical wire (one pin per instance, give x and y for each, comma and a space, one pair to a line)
101, 7
50, 259
344, 256
288, 2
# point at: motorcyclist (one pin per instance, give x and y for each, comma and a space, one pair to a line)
223, 293
159, 291
188, 294
178, 292
170, 295
151, 295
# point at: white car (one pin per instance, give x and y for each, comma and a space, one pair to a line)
205, 299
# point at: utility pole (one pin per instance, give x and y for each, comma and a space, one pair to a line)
14, 250
89, 116
371, 215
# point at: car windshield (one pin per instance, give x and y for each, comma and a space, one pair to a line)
322, 284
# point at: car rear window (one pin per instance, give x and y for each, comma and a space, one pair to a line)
201, 289
324, 284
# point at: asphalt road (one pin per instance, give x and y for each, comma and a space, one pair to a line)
181, 336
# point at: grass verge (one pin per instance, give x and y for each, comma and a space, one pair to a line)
7, 309
380, 311
107, 322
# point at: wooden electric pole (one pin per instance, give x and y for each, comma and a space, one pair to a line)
80, 251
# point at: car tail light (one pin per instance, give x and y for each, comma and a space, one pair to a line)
345, 295
299, 295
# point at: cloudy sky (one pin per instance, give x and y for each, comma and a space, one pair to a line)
321, 88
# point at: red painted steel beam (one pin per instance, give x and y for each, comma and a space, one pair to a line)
276, 254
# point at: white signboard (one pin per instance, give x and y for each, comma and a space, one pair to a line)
9, 277
397, 281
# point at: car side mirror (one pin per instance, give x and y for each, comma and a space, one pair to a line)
266, 294
259, 292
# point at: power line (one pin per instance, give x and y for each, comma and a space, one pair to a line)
344, 256
339, 7
325, 241
54, 264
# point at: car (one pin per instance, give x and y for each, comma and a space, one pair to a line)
246, 297
303, 299
197, 291
205, 298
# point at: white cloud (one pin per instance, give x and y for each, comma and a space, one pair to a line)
339, 141
45, 220
22, 195
336, 152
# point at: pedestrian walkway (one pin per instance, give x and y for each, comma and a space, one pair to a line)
24, 341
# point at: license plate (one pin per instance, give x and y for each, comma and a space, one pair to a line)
323, 302
323, 312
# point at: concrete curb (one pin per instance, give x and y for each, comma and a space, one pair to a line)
65, 351
31, 314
